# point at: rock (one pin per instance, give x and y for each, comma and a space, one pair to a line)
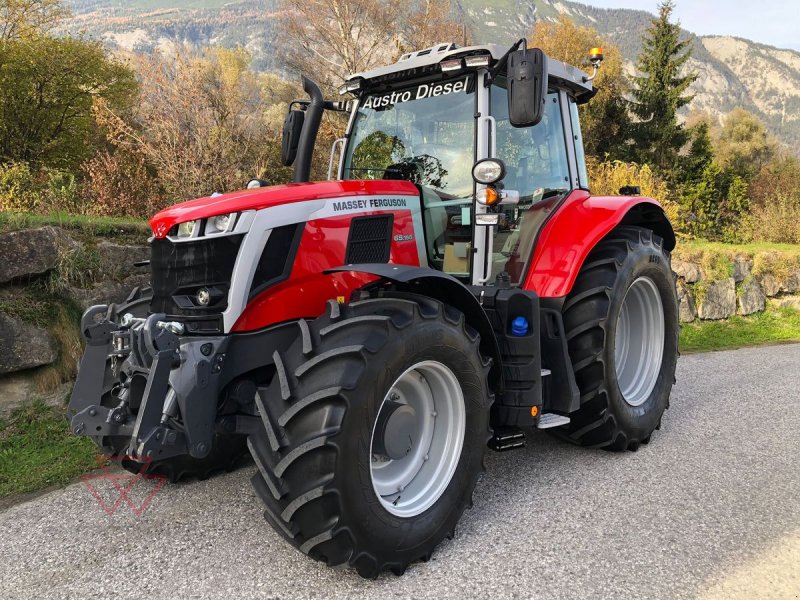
718, 301
24, 346
686, 309
792, 283
751, 298
770, 285
34, 251
787, 302
106, 292
20, 389
742, 265
116, 261
689, 272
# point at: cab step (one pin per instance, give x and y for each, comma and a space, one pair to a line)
507, 438
548, 420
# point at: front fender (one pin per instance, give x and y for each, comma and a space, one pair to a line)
446, 289
574, 230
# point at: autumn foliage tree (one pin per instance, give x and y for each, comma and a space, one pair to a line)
21, 19
604, 120
200, 123
331, 39
743, 144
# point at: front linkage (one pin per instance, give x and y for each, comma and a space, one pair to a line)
132, 365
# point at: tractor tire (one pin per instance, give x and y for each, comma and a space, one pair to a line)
336, 414
227, 451
621, 322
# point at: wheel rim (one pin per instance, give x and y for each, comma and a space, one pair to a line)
639, 346
425, 406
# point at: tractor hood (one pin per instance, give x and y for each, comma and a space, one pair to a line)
276, 195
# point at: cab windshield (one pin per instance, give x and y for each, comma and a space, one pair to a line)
422, 134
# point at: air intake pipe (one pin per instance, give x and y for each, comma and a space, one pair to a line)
308, 137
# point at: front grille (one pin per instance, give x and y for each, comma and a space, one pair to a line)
179, 270
370, 240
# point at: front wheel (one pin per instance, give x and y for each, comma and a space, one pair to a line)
621, 321
375, 429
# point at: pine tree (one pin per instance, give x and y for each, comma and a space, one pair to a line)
701, 153
660, 91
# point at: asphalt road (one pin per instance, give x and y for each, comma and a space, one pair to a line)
710, 509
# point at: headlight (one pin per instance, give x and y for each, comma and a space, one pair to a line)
188, 229
221, 222
488, 171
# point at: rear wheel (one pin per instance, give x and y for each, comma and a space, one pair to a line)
621, 322
375, 429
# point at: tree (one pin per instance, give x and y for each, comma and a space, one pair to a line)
701, 151
331, 39
24, 18
47, 88
743, 144
604, 120
430, 23
200, 124
660, 92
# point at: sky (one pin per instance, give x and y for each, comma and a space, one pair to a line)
773, 22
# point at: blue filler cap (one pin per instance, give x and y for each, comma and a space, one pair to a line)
519, 326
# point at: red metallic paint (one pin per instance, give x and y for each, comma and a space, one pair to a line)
307, 290
274, 195
569, 236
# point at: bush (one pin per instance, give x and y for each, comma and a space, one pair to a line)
18, 188
119, 184
777, 220
606, 178
62, 193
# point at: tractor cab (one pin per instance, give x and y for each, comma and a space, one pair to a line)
491, 138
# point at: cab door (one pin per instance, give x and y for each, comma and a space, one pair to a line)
541, 166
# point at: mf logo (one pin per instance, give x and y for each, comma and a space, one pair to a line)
112, 490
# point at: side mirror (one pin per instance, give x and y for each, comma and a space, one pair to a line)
292, 128
527, 86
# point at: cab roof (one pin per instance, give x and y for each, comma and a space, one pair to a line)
560, 74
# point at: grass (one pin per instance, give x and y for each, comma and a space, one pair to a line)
112, 227
37, 451
690, 247
772, 326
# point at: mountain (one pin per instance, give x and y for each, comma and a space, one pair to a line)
732, 71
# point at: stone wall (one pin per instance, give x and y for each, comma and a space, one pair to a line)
715, 285
48, 276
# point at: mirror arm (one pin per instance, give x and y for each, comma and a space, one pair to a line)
501, 64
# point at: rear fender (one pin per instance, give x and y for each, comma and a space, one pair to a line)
574, 230
446, 289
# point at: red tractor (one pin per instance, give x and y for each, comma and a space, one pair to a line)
364, 338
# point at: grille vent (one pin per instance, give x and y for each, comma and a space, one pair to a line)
277, 259
370, 239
